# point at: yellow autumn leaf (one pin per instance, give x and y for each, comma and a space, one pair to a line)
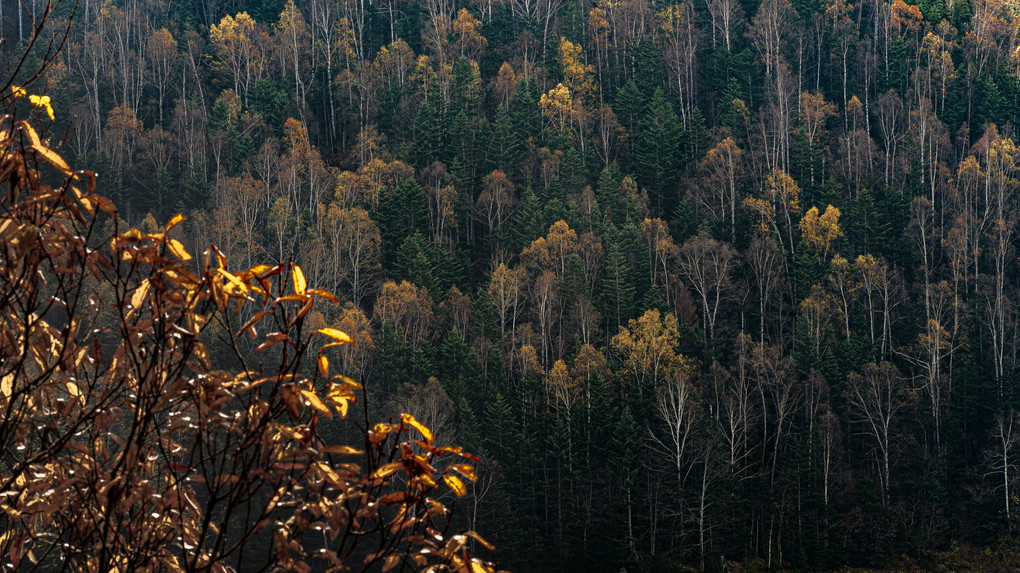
7, 385
138, 297
465, 470
409, 420
73, 390
176, 220
178, 250
341, 405
342, 450
259, 269
454, 483
315, 401
18, 91
300, 284
338, 335
323, 363
53, 158
340, 397
238, 283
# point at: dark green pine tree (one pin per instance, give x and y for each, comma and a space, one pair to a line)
469, 430
502, 431
629, 106
400, 212
574, 174
529, 221
463, 149
414, 263
505, 147
685, 224
617, 289
459, 370
429, 131
992, 106
624, 461
657, 148
606, 189
453, 267
695, 137
729, 116
527, 119
393, 366
465, 96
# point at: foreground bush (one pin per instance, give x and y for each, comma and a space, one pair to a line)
123, 448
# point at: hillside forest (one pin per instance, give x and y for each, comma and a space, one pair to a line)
702, 282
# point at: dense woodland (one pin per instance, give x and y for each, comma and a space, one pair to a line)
697, 280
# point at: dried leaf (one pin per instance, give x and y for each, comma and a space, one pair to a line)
391, 562
249, 326
291, 399
387, 470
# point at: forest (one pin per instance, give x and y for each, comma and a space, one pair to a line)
703, 283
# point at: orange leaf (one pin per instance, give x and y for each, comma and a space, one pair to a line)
347, 381
324, 294
454, 483
250, 325
341, 450
387, 470
465, 470
410, 421
323, 366
259, 269
479, 539
176, 220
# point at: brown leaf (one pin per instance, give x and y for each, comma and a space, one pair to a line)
387, 470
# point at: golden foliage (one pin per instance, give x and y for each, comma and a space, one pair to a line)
110, 413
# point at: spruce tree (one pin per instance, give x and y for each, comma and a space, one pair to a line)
657, 148
617, 289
